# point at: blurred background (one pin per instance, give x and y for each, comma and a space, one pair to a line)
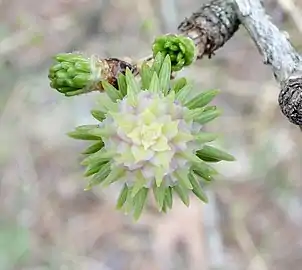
47, 221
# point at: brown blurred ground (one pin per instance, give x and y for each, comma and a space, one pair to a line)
254, 218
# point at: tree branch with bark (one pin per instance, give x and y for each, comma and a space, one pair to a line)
217, 21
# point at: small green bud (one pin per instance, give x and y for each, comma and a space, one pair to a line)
75, 74
181, 50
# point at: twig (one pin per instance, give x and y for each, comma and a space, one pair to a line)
272, 44
279, 53
211, 26
216, 22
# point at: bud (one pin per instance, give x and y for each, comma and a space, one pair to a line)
181, 50
75, 74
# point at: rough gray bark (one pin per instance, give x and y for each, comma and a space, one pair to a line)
217, 21
290, 98
279, 53
271, 42
211, 26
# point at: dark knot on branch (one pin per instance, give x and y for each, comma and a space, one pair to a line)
290, 99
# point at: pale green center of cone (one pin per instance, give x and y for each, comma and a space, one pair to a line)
150, 136
154, 139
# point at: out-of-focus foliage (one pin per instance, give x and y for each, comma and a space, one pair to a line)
14, 245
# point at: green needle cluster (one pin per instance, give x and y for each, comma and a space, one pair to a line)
181, 49
73, 74
150, 139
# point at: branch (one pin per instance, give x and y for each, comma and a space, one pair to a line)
272, 44
279, 53
211, 26
217, 21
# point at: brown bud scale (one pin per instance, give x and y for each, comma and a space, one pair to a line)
111, 68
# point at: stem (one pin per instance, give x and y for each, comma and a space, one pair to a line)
211, 26
217, 21
279, 53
